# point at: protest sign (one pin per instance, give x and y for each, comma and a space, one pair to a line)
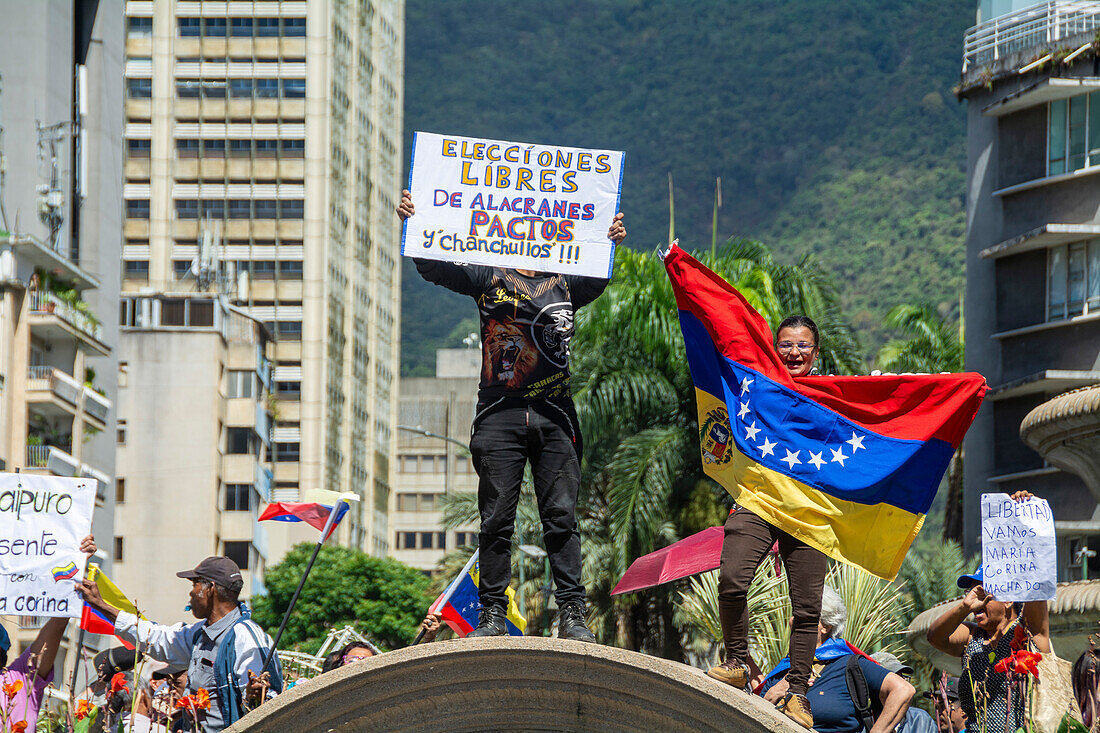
1019, 555
491, 202
42, 522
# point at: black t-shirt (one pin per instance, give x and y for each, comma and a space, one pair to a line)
526, 324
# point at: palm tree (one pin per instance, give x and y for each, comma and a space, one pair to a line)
643, 482
931, 345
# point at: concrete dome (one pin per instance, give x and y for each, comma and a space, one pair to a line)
509, 683
1065, 430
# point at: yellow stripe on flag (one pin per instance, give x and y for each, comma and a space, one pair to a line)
110, 592
513, 612
844, 530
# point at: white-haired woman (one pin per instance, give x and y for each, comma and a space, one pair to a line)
830, 702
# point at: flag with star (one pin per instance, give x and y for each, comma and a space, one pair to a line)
848, 465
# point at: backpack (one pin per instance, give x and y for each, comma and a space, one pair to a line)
230, 698
867, 707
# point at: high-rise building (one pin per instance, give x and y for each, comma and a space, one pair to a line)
262, 143
60, 226
1033, 264
433, 457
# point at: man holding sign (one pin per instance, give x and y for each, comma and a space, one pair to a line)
525, 411
1000, 627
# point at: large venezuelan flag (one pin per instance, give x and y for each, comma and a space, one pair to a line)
95, 622
848, 465
459, 604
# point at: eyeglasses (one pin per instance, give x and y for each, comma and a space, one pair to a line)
784, 347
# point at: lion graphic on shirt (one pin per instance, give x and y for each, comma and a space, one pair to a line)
509, 357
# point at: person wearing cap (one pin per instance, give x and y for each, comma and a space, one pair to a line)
950, 717
915, 720
32, 671
222, 653
998, 629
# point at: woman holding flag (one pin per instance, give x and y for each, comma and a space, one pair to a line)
747, 541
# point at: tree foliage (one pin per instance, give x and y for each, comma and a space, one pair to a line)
382, 598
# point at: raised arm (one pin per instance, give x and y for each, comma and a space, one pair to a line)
462, 279
947, 633
583, 290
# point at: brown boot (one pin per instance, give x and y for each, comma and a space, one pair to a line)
797, 708
732, 672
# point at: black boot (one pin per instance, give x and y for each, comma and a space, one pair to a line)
490, 622
571, 623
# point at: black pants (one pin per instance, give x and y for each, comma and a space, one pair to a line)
506, 435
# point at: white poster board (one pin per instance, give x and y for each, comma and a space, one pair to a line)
1019, 552
42, 522
505, 204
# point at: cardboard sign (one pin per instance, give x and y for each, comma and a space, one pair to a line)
1019, 550
504, 204
42, 521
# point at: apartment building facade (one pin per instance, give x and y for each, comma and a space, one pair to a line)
262, 165
60, 227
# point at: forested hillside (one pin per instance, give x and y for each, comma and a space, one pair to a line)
832, 126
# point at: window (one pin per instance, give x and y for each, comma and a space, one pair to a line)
289, 330
137, 209
294, 148
406, 540
213, 148
294, 27
139, 27
139, 88
263, 269
290, 269
187, 148
267, 148
240, 148
241, 383
406, 502
120, 491
1073, 133
292, 390
427, 464
121, 432
267, 88
187, 209
408, 464
188, 88
294, 88
241, 28
138, 148
240, 209
433, 541
213, 89
239, 441
136, 269
1073, 280
190, 27
238, 497
214, 27
287, 452
181, 268
465, 539
462, 464
202, 312
292, 209
173, 312
118, 549
265, 209
238, 552
213, 209
240, 88
267, 27
428, 502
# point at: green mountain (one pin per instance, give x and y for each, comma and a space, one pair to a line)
832, 126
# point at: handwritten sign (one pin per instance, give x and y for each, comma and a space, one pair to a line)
492, 202
1019, 553
42, 521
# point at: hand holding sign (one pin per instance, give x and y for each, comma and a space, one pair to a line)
515, 205
1019, 555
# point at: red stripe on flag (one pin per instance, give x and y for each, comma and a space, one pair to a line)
454, 619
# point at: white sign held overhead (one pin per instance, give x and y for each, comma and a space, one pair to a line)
1019, 552
42, 522
519, 205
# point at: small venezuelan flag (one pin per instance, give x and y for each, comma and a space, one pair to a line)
848, 465
65, 572
459, 604
314, 513
95, 622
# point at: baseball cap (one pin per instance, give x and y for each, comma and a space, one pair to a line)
952, 690
892, 664
218, 570
111, 661
966, 582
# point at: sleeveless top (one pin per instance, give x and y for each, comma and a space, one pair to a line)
983, 692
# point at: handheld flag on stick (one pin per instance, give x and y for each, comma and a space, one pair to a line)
336, 511
95, 622
848, 465
459, 604
314, 513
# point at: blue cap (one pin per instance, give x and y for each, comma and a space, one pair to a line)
5, 640
966, 582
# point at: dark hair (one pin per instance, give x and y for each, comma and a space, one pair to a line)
226, 595
1086, 678
799, 322
335, 659
3, 658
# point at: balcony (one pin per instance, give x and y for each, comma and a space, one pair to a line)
1043, 24
52, 391
57, 318
52, 460
96, 407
